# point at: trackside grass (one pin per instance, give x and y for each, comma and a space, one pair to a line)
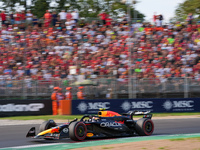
70, 117
183, 139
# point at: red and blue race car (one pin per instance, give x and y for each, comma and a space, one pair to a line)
105, 124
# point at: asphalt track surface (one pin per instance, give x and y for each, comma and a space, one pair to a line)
14, 135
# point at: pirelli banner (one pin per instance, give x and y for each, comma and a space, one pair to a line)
125, 105
25, 107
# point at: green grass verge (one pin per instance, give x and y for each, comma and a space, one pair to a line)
70, 117
162, 147
178, 139
107, 147
183, 139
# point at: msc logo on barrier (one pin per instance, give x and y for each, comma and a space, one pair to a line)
22, 107
83, 106
178, 105
126, 106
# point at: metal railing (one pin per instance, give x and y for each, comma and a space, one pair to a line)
116, 87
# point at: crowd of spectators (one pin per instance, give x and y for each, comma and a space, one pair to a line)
45, 50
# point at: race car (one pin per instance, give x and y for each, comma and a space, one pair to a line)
105, 124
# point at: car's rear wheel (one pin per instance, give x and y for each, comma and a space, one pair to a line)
47, 125
144, 126
77, 131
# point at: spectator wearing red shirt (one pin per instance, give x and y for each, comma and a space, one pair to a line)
47, 18
3, 17
103, 17
69, 15
108, 21
23, 17
17, 17
154, 18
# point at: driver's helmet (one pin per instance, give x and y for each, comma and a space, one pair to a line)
93, 119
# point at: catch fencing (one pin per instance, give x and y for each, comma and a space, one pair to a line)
103, 88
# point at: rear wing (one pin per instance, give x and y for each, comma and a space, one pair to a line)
139, 112
146, 114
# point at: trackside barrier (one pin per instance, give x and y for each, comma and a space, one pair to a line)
74, 107
124, 105
25, 107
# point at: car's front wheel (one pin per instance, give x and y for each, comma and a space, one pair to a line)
47, 125
77, 131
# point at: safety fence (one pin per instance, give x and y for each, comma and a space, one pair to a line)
104, 88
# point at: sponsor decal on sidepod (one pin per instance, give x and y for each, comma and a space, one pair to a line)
110, 124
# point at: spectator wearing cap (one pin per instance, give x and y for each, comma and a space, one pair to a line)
68, 94
55, 100
80, 94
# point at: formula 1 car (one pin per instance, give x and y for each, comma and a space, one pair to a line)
105, 124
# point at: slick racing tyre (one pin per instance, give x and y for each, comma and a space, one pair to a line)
77, 131
144, 126
47, 125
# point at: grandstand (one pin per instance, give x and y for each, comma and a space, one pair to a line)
37, 55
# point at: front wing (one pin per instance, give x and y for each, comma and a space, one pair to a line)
57, 132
